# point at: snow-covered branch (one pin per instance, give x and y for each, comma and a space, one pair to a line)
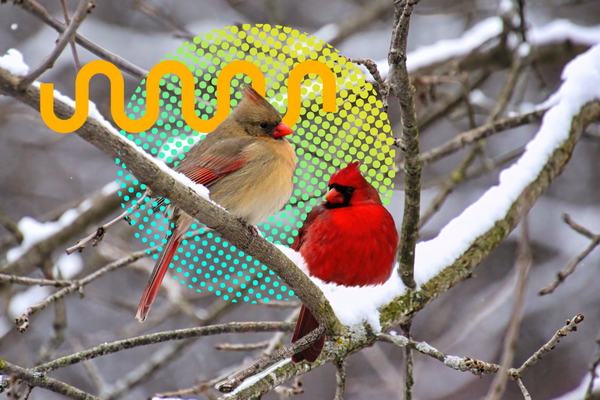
184, 193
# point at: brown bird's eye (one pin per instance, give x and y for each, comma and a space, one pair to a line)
264, 125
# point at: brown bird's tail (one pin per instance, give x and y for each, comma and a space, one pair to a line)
306, 324
160, 269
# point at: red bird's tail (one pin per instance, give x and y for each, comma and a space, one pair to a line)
158, 274
305, 325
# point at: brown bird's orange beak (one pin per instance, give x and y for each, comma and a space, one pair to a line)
282, 130
334, 196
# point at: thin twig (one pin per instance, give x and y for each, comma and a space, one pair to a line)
481, 132
523, 266
526, 395
571, 325
19, 280
382, 86
33, 378
162, 358
63, 4
41, 13
593, 373
10, 226
340, 378
23, 320
478, 367
265, 362
81, 12
409, 361
180, 334
242, 346
98, 235
160, 16
403, 89
562, 275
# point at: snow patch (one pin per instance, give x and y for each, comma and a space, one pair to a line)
68, 265
327, 32
34, 232
252, 380
19, 303
13, 62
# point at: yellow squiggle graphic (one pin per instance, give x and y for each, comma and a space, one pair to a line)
188, 99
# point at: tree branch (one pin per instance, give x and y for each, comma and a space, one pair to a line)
402, 88
287, 351
34, 378
42, 14
562, 275
81, 12
120, 345
162, 184
23, 320
102, 206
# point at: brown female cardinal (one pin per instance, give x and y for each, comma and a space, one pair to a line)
247, 164
349, 240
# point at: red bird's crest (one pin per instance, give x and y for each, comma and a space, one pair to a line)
349, 176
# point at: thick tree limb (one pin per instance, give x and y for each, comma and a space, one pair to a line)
404, 307
164, 185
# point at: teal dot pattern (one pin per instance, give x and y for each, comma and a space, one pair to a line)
324, 142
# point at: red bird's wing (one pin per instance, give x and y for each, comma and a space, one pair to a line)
221, 159
306, 321
310, 218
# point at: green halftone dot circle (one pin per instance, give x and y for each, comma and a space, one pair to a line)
324, 143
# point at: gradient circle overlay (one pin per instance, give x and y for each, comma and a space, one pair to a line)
324, 142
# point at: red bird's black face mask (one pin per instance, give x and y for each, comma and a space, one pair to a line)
338, 196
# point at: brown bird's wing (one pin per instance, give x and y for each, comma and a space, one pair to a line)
306, 321
215, 163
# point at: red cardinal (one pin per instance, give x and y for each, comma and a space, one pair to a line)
248, 165
350, 240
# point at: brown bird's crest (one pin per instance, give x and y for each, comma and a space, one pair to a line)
249, 93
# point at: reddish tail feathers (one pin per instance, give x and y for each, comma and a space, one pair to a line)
160, 269
306, 324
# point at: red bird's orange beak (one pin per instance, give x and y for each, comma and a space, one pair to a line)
334, 196
282, 130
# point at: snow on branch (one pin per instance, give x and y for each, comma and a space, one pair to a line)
444, 50
192, 198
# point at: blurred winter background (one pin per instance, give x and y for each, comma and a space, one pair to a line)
43, 173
